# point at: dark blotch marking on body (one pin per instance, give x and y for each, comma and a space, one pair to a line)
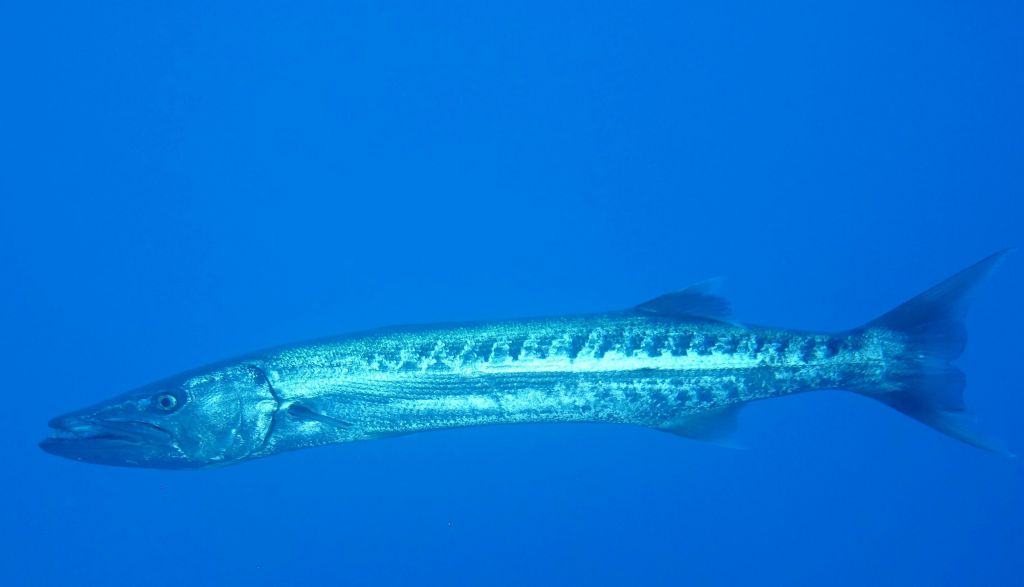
608, 342
426, 349
806, 350
757, 344
832, 346
728, 345
681, 344
543, 348
484, 348
633, 341
576, 344
732, 390
654, 344
704, 346
515, 348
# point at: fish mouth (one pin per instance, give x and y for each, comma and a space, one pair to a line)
72, 432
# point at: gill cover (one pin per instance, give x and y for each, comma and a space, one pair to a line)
229, 416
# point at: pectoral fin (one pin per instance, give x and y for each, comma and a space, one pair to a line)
301, 412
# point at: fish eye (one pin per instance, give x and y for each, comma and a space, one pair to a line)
166, 401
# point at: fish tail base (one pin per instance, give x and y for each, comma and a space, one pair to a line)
924, 384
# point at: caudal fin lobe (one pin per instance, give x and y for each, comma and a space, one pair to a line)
928, 387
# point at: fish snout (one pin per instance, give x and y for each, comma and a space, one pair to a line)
86, 430
68, 422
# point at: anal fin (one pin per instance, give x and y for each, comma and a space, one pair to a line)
715, 426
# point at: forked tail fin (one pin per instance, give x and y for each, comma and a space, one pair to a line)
928, 387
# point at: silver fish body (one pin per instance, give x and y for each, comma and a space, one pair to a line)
674, 363
628, 368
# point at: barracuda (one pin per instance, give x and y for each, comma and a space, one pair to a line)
674, 363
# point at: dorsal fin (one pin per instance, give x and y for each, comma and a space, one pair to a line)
698, 301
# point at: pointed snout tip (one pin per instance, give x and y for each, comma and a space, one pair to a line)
66, 421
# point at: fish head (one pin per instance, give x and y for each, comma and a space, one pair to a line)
213, 417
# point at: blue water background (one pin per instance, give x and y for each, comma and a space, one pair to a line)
185, 183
